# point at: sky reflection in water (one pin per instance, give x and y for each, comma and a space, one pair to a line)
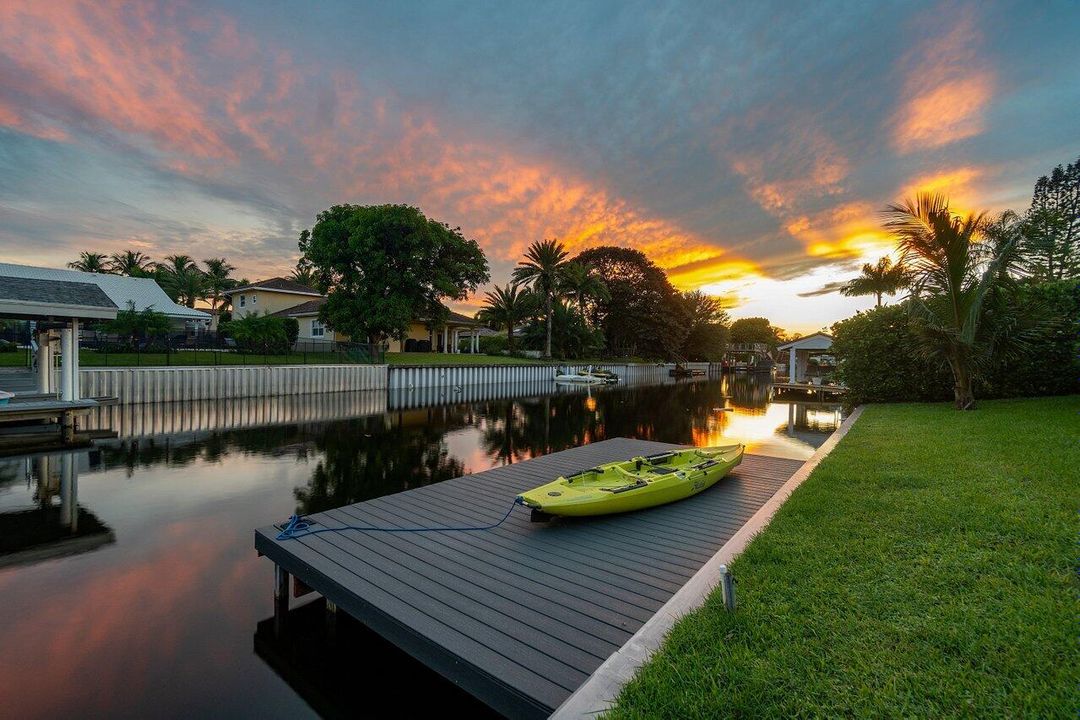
154, 615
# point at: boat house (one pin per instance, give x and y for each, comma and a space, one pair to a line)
800, 351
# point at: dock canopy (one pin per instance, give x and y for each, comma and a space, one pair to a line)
53, 300
799, 352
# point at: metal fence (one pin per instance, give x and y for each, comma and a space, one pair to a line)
208, 348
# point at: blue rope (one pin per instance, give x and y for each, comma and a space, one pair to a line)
298, 527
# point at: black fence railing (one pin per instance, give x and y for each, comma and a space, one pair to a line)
207, 348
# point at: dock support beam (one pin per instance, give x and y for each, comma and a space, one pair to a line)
281, 598
331, 621
67, 378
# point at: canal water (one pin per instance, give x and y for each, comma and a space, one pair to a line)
129, 586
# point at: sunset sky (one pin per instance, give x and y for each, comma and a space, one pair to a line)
746, 149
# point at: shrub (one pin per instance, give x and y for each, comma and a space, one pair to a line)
292, 330
258, 333
879, 360
7, 347
493, 344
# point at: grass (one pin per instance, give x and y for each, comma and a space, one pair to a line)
927, 568
184, 358
432, 358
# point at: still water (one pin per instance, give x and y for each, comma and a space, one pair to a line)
129, 586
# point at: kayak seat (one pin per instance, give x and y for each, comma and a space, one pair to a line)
661, 470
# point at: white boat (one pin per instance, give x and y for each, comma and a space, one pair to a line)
578, 378
5, 396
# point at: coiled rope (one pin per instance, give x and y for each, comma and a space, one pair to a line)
297, 527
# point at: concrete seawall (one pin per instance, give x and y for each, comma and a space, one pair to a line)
135, 386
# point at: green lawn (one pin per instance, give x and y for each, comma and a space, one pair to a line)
180, 358
927, 568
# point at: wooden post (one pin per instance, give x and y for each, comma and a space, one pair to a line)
281, 598
67, 427
331, 621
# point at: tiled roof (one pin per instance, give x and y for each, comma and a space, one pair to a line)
280, 284
120, 289
55, 292
311, 307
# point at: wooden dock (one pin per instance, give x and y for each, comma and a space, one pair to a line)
519, 616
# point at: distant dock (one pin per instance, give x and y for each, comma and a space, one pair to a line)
522, 615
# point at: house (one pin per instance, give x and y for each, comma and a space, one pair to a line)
286, 298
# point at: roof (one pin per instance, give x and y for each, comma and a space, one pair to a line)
817, 341
311, 307
456, 317
120, 289
278, 284
54, 298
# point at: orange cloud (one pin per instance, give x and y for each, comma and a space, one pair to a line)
947, 91
806, 164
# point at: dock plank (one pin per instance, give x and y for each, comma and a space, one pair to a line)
522, 614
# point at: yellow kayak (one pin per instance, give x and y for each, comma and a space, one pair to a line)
640, 482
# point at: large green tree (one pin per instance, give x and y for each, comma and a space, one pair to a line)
580, 284
1050, 243
216, 281
707, 330
181, 279
642, 314
131, 263
383, 266
542, 269
755, 330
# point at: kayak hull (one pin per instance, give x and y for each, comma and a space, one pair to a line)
635, 484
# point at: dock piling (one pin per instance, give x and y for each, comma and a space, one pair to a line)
281, 597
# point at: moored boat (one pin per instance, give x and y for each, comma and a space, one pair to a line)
578, 378
633, 484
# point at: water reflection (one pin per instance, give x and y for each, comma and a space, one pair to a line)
159, 622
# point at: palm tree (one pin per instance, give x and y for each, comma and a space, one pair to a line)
305, 275
90, 262
953, 275
181, 279
216, 280
506, 307
883, 278
131, 263
580, 283
542, 269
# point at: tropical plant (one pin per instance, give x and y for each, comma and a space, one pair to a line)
254, 332
571, 336
181, 279
507, 307
135, 324
954, 283
305, 275
216, 281
542, 270
1051, 241
90, 262
881, 278
383, 266
579, 283
131, 263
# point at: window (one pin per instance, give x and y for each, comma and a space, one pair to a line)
253, 298
243, 300
317, 329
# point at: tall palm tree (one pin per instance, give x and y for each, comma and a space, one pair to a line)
181, 279
953, 276
542, 270
216, 281
131, 263
879, 279
580, 284
90, 262
506, 307
305, 275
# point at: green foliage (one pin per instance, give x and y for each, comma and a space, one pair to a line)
181, 279
755, 330
91, 262
258, 333
927, 568
571, 336
707, 333
134, 324
292, 329
642, 315
385, 265
543, 270
216, 281
493, 344
882, 278
1051, 228
131, 263
1050, 364
506, 308
879, 361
